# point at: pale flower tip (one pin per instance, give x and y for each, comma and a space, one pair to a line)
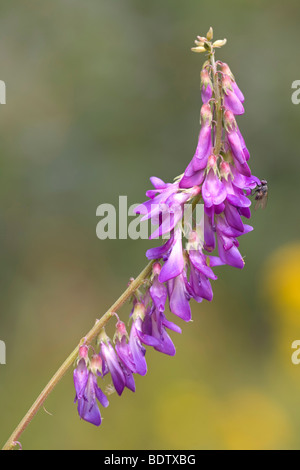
220, 43
198, 49
210, 34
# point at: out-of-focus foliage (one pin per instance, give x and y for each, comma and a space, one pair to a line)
101, 95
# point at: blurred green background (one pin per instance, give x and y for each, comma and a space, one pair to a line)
101, 95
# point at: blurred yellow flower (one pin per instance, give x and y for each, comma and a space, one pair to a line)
252, 421
282, 282
187, 414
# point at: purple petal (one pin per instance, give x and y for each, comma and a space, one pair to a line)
203, 149
237, 91
200, 285
159, 294
175, 263
125, 355
206, 93
213, 190
138, 351
236, 147
191, 178
232, 103
233, 217
114, 367
199, 262
101, 397
87, 406
80, 376
159, 251
179, 299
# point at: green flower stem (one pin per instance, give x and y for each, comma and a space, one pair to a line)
218, 105
134, 285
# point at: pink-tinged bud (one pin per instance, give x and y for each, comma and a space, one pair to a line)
225, 170
121, 329
206, 86
226, 83
96, 364
83, 352
205, 78
225, 69
229, 121
156, 269
206, 115
195, 191
139, 311
102, 337
120, 332
212, 162
193, 238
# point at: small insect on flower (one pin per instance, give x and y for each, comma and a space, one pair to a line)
261, 195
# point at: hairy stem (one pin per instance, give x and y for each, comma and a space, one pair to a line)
134, 285
218, 105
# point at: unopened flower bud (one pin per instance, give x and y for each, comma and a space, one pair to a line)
225, 69
210, 34
156, 269
198, 49
199, 43
96, 364
229, 121
195, 191
120, 331
206, 114
139, 311
220, 43
226, 83
83, 352
212, 162
102, 337
205, 78
201, 38
225, 169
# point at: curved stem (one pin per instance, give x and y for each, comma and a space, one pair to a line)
134, 285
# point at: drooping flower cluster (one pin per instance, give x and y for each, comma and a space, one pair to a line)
218, 177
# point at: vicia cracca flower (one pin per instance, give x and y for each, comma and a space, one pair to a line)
218, 177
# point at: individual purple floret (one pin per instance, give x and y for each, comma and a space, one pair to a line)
87, 390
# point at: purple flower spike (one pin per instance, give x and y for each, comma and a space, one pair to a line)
219, 176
